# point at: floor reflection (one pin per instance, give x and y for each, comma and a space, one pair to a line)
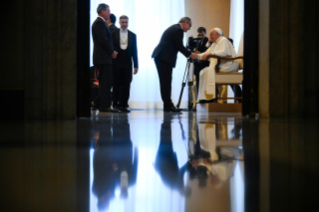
166, 162
115, 160
155, 161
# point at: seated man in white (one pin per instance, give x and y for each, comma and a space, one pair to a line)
220, 47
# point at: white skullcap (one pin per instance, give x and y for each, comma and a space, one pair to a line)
219, 31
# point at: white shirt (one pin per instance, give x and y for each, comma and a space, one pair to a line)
123, 39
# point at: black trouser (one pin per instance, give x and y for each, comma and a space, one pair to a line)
237, 92
122, 84
164, 71
105, 84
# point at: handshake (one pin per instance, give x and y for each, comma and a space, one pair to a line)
194, 56
203, 56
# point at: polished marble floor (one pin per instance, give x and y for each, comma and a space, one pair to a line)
153, 161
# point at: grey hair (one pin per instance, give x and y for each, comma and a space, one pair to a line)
101, 7
123, 17
185, 19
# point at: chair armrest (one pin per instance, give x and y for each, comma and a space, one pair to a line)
219, 59
223, 58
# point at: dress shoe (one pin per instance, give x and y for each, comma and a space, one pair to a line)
124, 110
172, 109
203, 101
110, 110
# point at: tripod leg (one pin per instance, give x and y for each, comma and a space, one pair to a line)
183, 84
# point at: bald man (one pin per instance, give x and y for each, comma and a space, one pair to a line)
220, 47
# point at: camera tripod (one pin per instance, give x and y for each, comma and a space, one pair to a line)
191, 83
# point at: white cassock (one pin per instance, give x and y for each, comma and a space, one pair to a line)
207, 137
222, 47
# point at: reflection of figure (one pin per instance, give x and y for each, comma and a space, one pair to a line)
220, 164
237, 130
166, 161
196, 154
113, 164
194, 146
123, 153
104, 173
207, 135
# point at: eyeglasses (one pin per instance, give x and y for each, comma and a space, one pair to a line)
189, 24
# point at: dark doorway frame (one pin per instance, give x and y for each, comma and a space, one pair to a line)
251, 58
83, 59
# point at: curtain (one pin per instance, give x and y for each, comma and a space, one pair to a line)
236, 25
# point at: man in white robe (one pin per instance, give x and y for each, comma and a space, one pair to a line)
220, 47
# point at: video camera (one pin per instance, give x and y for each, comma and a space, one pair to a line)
192, 43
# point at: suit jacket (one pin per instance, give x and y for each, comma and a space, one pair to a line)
103, 43
113, 28
131, 46
170, 43
202, 45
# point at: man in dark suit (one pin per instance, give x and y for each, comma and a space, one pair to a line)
111, 23
165, 55
125, 44
166, 163
103, 52
201, 47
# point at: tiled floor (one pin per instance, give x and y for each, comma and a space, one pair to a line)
159, 162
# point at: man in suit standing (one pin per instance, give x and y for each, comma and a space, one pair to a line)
201, 47
103, 52
125, 44
165, 55
111, 23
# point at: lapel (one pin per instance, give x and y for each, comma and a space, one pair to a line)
117, 37
129, 37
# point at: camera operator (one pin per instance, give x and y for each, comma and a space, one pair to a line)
202, 46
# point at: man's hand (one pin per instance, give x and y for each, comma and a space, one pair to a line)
204, 57
194, 56
135, 70
114, 55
